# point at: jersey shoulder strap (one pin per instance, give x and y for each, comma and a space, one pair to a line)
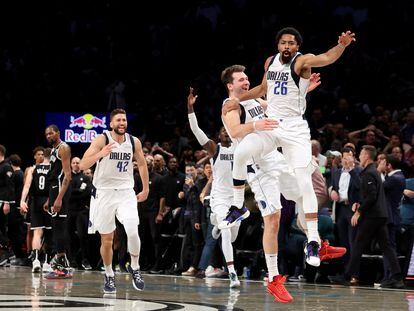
132, 143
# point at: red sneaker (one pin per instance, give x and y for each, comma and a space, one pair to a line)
278, 290
327, 252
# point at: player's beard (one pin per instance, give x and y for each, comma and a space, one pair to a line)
117, 131
286, 58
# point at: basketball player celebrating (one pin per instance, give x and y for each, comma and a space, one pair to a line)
285, 83
221, 156
59, 178
113, 152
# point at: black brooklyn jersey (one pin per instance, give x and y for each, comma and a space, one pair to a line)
40, 181
55, 175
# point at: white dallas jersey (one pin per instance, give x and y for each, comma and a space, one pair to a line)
251, 110
115, 171
286, 91
222, 163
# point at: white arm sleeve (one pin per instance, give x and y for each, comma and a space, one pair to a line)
198, 133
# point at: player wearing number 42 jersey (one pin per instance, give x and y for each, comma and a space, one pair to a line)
113, 153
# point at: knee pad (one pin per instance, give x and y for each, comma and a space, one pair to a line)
134, 242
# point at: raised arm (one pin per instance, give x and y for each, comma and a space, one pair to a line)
261, 89
309, 60
202, 138
143, 170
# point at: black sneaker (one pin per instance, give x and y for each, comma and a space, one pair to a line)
137, 279
201, 274
234, 215
109, 285
392, 283
86, 265
6, 256
312, 254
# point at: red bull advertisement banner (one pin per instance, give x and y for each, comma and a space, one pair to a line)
78, 127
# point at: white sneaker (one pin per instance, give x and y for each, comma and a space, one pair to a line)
209, 270
215, 273
234, 281
46, 268
36, 266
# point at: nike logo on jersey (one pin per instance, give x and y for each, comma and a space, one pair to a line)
53, 187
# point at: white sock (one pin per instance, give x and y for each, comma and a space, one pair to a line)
109, 271
271, 262
313, 234
238, 197
231, 269
134, 262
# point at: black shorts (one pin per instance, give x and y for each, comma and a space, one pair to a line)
53, 193
38, 217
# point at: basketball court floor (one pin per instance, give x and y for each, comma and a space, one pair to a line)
22, 290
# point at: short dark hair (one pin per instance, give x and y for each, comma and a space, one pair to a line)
116, 111
37, 149
348, 149
372, 151
395, 163
15, 159
227, 74
190, 164
54, 128
289, 31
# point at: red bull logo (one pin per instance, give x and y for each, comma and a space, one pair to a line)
87, 121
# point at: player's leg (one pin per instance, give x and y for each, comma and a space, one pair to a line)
266, 191
36, 210
102, 219
249, 148
294, 137
127, 214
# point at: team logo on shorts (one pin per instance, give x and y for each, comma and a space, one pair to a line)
263, 204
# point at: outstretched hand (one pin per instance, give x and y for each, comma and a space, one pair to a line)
346, 38
315, 81
191, 98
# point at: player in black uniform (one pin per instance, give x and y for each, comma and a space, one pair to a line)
6, 198
36, 186
59, 178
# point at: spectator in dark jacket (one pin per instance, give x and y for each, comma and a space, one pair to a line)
394, 185
191, 220
371, 215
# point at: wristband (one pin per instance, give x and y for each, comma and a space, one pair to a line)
341, 46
